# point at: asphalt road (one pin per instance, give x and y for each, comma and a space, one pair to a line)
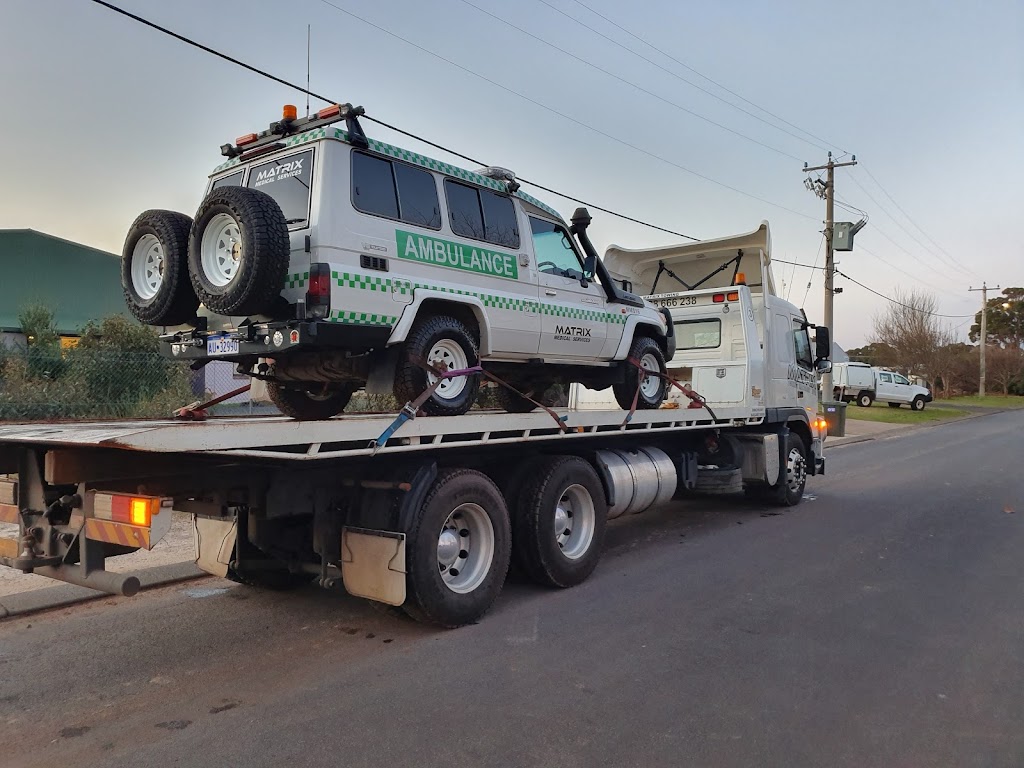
880, 623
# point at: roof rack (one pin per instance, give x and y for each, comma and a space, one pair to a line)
289, 125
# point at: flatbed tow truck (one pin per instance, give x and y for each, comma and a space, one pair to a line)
427, 513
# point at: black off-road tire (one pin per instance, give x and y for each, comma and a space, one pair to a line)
174, 302
306, 405
864, 399
428, 597
263, 256
626, 390
510, 402
535, 545
917, 404
411, 377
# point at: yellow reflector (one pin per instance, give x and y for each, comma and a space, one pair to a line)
733, 296
140, 512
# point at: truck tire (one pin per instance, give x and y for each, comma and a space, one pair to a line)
646, 351
238, 251
458, 549
789, 491
306, 405
513, 403
559, 521
154, 269
865, 399
722, 481
446, 343
917, 404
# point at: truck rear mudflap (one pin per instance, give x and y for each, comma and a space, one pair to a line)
68, 537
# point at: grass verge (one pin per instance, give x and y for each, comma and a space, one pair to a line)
989, 401
902, 415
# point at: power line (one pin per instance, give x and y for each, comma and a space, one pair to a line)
954, 264
396, 129
677, 76
627, 82
898, 303
870, 290
563, 115
710, 80
900, 209
816, 257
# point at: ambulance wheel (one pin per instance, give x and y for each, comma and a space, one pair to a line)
154, 269
651, 394
316, 404
446, 344
238, 251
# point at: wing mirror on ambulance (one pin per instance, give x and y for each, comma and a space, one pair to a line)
589, 267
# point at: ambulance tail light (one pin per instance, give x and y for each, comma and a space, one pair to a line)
318, 294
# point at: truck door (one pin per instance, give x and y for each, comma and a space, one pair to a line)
573, 306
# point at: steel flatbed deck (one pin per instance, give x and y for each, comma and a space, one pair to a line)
271, 437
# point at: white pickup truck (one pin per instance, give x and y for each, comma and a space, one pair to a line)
862, 384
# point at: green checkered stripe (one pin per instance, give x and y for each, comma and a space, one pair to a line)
298, 280
402, 154
405, 288
361, 318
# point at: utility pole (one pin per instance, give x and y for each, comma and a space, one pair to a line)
984, 334
830, 267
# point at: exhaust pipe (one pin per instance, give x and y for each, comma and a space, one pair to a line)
122, 584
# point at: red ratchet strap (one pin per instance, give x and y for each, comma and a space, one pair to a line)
197, 411
696, 400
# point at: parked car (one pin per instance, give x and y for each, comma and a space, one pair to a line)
862, 384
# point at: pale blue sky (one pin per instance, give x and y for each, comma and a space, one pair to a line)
105, 118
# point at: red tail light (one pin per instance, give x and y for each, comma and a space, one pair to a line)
318, 294
718, 298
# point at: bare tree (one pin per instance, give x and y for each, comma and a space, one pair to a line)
1004, 365
909, 326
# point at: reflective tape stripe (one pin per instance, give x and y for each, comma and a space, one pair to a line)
116, 533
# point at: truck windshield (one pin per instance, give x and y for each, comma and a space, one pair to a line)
286, 179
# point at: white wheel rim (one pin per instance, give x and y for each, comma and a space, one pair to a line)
574, 522
148, 265
796, 470
221, 250
651, 384
465, 548
448, 355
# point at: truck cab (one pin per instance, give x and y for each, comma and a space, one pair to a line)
737, 342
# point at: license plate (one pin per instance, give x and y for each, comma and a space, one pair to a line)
221, 345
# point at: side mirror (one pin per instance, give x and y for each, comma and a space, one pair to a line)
589, 267
823, 366
822, 343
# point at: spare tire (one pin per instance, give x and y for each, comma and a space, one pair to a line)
154, 273
238, 251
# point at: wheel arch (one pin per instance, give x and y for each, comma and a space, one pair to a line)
467, 309
640, 326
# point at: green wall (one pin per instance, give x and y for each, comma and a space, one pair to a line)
77, 282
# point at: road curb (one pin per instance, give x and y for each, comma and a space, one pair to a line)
67, 594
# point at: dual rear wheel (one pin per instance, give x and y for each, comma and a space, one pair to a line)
467, 532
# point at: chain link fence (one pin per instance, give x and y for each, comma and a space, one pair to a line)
53, 384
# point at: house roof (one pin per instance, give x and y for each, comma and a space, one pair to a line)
77, 282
